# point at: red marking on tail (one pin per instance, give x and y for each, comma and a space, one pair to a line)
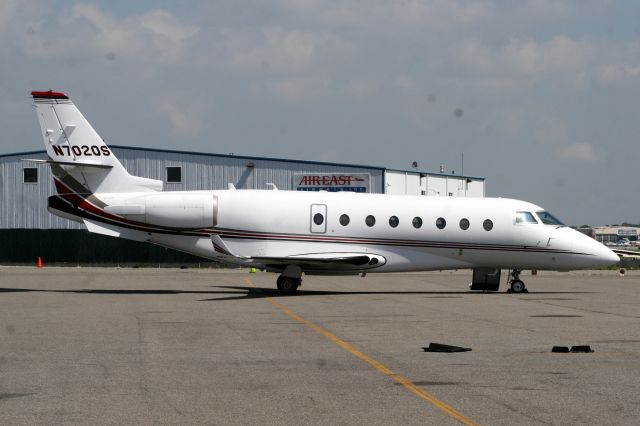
50, 94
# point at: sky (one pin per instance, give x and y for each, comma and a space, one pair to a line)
541, 96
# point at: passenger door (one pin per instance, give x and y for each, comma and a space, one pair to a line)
318, 218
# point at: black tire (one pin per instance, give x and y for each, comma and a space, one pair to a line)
517, 286
287, 285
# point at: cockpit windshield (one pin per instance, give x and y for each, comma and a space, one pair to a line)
548, 219
525, 217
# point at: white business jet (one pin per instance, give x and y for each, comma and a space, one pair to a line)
294, 233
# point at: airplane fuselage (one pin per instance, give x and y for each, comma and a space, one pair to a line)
411, 233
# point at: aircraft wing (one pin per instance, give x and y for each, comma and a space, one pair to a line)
322, 261
634, 253
338, 262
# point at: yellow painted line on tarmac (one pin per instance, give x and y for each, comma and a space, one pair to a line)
410, 386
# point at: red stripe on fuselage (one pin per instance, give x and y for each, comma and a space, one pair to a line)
80, 201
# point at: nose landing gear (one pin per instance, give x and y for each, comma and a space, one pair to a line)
515, 284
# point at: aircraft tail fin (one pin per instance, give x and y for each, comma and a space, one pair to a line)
80, 160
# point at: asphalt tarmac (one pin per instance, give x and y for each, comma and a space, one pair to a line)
171, 346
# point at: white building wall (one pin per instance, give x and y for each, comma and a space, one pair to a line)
402, 182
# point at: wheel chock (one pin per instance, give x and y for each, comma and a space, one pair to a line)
439, 347
574, 349
582, 348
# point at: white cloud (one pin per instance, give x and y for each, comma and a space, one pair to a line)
559, 9
578, 151
300, 89
558, 62
184, 114
363, 87
403, 82
277, 49
560, 54
7, 9
167, 26
549, 129
618, 73
385, 15
88, 30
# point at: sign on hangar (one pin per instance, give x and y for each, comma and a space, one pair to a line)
332, 182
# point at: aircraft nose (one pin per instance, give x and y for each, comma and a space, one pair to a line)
597, 254
603, 254
609, 256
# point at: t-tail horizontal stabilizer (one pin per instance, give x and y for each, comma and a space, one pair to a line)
70, 163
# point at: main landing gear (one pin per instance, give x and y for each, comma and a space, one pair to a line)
289, 280
288, 285
515, 284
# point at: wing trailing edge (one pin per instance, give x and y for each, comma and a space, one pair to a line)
319, 261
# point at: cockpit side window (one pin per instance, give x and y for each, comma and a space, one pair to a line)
548, 219
525, 217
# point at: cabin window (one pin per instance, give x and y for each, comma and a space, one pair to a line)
318, 218
487, 225
417, 222
30, 175
174, 174
370, 220
394, 221
441, 223
548, 219
344, 220
464, 224
525, 217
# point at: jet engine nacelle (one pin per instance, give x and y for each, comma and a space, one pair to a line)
175, 210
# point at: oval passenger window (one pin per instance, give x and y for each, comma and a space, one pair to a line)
393, 221
318, 219
441, 223
370, 220
464, 224
487, 225
417, 222
344, 220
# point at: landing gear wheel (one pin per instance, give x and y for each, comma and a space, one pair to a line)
517, 286
288, 285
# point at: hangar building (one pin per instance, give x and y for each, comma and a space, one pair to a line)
611, 235
28, 230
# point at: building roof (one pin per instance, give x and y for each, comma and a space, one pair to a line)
632, 230
432, 173
245, 157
